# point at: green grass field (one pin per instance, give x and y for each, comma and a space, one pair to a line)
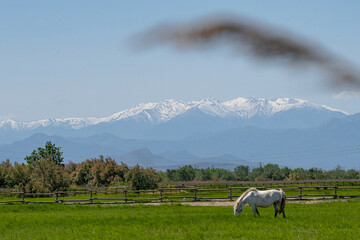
329, 220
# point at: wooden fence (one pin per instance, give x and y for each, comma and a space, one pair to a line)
166, 195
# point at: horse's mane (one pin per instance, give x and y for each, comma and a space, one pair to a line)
243, 195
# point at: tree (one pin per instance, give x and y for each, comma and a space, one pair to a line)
49, 152
272, 172
47, 176
315, 173
242, 172
185, 173
297, 174
5, 169
223, 174
256, 173
203, 174
20, 176
98, 172
82, 174
352, 174
285, 172
338, 173
171, 174
142, 178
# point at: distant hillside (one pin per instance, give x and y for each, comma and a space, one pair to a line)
336, 142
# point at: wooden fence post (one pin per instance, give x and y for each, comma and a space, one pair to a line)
230, 196
125, 195
56, 197
160, 190
91, 198
335, 192
300, 193
195, 190
23, 197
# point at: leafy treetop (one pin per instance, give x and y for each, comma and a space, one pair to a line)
49, 152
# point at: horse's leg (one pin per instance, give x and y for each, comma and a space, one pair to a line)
283, 212
257, 211
276, 209
254, 209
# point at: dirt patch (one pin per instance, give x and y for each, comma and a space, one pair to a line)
209, 204
225, 204
317, 201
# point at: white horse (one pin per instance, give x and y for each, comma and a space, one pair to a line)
256, 198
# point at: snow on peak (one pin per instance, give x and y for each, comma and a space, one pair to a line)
156, 113
9, 123
153, 112
239, 107
246, 108
210, 106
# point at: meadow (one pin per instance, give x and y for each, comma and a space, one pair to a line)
326, 220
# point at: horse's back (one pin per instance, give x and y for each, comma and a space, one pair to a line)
269, 193
267, 198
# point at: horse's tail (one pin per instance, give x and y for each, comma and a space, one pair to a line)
283, 200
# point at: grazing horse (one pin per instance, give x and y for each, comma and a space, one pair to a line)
256, 198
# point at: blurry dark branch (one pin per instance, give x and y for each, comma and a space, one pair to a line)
264, 43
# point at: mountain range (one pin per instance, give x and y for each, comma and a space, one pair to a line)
168, 134
174, 119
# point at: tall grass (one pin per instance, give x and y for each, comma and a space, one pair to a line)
330, 220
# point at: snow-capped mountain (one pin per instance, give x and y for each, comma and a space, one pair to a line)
285, 131
157, 113
239, 107
247, 108
174, 119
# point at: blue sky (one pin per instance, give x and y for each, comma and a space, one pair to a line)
75, 58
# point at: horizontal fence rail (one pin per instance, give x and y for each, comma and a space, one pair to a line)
169, 194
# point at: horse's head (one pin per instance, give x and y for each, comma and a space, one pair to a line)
238, 209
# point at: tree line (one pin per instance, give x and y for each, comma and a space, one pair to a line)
45, 171
269, 172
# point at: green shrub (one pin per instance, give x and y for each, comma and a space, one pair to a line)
142, 178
